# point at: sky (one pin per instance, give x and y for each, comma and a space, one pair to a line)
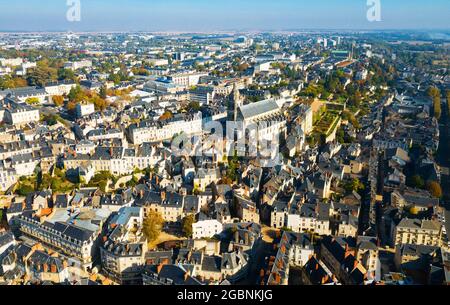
221, 15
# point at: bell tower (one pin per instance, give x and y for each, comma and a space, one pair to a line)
236, 101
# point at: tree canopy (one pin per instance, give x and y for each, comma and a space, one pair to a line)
152, 225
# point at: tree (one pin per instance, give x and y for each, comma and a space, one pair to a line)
41, 75
232, 172
347, 115
354, 186
32, 101
188, 221
24, 189
133, 182
66, 74
103, 92
435, 189
58, 100
435, 94
417, 182
194, 106
99, 103
76, 94
50, 119
166, 116
152, 225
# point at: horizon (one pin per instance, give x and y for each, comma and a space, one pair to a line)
212, 16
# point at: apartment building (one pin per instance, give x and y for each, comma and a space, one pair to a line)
418, 232
124, 246
157, 131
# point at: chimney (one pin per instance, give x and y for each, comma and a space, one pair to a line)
317, 266
141, 193
53, 268
355, 264
163, 195
111, 151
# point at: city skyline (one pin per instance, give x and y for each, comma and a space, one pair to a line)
200, 15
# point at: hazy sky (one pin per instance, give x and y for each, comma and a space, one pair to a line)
209, 15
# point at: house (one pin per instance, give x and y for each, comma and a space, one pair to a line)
246, 209
206, 228
43, 267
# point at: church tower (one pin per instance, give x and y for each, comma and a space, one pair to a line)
236, 101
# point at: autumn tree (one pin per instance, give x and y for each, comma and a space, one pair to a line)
152, 225
435, 189
166, 116
435, 94
99, 103
58, 100
76, 94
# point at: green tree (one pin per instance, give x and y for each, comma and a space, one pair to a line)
188, 221
42, 74
152, 225
354, 186
103, 92
24, 189
417, 182
66, 74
